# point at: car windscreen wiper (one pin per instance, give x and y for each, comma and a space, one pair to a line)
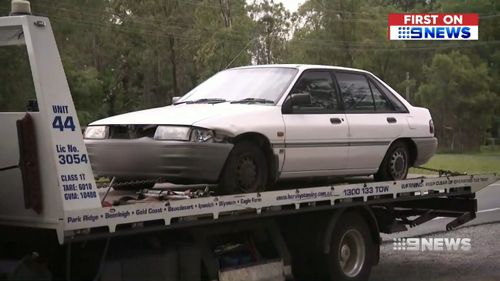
209, 100
253, 100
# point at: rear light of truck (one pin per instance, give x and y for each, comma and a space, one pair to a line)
431, 127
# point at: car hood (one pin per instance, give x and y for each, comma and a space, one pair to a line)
183, 114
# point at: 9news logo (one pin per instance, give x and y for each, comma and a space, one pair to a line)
433, 27
432, 244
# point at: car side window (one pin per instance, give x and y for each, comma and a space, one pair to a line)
396, 103
355, 92
381, 102
320, 87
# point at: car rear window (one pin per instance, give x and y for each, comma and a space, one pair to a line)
381, 102
355, 92
364, 94
396, 103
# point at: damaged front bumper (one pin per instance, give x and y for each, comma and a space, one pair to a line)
174, 161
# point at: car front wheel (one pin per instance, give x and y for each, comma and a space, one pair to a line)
395, 164
245, 170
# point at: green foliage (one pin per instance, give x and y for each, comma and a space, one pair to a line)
17, 86
125, 55
486, 162
459, 97
223, 32
272, 31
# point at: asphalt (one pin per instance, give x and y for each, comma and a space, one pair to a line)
481, 262
488, 211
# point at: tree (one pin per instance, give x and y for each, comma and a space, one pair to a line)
223, 32
272, 31
125, 55
328, 32
459, 97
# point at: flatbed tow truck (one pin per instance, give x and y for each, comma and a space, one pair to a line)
56, 223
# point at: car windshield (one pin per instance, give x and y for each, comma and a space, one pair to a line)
241, 85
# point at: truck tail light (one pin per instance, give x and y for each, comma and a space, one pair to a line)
431, 127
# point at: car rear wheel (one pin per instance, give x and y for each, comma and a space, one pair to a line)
395, 164
245, 170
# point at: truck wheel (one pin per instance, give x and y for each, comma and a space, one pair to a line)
351, 250
395, 164
245, 170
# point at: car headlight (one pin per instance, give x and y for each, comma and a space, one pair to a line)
172, 133
96, 132
202, 135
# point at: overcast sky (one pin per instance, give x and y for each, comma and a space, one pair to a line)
291, 5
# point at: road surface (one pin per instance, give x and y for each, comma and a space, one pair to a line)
480, 263
488, 211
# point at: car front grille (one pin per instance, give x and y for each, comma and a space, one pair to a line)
131, 131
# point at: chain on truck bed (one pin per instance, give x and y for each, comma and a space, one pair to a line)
441, 172
130, 183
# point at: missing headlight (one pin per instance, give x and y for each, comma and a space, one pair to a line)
202, 135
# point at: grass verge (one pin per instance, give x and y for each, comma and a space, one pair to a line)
483, 162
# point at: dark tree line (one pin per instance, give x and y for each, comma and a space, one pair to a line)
124, 55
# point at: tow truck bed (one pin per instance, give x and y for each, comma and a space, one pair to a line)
50, 204
188, 212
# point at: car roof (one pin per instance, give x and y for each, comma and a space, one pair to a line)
302, 67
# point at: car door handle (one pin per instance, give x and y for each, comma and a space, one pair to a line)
391, 120
335, 121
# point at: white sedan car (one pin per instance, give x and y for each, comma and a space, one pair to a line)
247, 128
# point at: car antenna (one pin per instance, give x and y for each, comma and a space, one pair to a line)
239, 53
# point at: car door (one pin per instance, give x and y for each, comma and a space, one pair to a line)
316, 133
373, 121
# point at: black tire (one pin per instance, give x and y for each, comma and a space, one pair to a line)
132, 184
245, 171
352, 250
396, 163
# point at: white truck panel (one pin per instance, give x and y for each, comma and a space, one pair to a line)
57, 130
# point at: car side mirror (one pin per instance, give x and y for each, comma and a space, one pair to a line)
175, 99
298, 99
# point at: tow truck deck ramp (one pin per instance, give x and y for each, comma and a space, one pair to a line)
271, 203
54, 216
